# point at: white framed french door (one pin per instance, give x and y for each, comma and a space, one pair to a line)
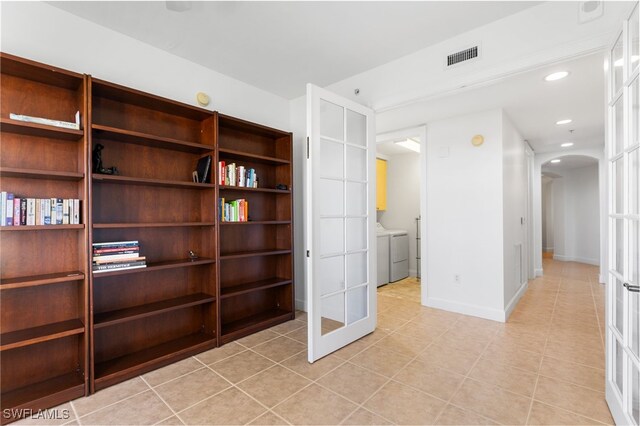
339, 221
623, 292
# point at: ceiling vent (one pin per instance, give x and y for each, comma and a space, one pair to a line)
462, 56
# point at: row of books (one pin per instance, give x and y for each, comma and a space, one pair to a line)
232, 175
48, 121
22, 211
117, 256
233, 211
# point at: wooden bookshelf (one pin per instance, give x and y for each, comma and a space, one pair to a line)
145, 318
256, 257
43, 283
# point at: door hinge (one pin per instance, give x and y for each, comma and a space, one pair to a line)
307, 147
308, 253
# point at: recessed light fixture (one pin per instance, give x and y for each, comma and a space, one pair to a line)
557, 160
409, 144
556, 76
567, 144
565, 121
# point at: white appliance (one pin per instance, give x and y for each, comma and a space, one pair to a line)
393, 255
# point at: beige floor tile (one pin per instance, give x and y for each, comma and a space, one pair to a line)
421, 331
390, 323
493, 402
315, 405
171, 371
381, 361
352, 382
217, 354
269, 418
514, 357
404, 345
288, 327
453, 360
241, 366
301, 316
299, 335
455, 341
543, 414
171, 421
508, 378
143, 409
573, 398
361, 344
452, 415
62, 414
192, 388
279, 349
109, 396
365, 417
432, 380
570, 351
258, 338
593, 378
301, 365
274, 385
231, 407
404, 405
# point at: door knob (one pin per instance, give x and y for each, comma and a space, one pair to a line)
633, 288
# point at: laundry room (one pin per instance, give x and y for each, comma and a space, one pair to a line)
398, 216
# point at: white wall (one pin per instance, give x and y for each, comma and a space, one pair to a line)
403, 199
44, 33
576, 210
547, 214
514, 184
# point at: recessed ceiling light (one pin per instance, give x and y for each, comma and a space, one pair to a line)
567, 144
409, 144
556, 76
556, 160
565, 121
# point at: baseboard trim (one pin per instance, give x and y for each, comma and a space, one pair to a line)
602, 279
514, 300
547, 249
301, 305
539, 272
588, 261
466, 309
413, 273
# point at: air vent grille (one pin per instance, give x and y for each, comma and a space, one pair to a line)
463, 55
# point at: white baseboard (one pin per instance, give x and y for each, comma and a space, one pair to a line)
413, 273
602, 279
301, 305
514, 300
588, 261
547, 249
539, 272
466, 309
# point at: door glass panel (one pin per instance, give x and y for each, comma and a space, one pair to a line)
357, 270
356, 199
635, 112
357, 304
356, 128
331, 120
634, 255
618, 126
332, 236
633, 40
332, 312
618, 64
618, 308
635, 395
356, 163
634, 179
356, 234
618, 365
331, 159
634, 305
618, 195
331, 274
619, 245
331, 197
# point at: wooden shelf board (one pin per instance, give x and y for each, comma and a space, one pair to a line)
258, 222
254, 321
239, 254
106, 319
243, 125
41, 228
47, 393
39, 174
40, 130
241, 155
43, 333
114, 370
156, 266
245, 189
127, 180
37, 280
240, 289
36, 71
139, 138
149, 225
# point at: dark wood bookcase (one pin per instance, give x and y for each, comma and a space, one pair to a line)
256, 257
44, 268
146, 318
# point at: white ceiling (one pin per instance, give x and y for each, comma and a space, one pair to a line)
391, 148
568, 162
281, 46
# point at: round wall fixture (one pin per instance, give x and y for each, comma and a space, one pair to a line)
202, 98
477, 140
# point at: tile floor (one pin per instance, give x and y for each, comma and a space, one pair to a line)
421, 366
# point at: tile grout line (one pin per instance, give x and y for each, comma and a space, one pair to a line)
163, 401
75, 413
115, 402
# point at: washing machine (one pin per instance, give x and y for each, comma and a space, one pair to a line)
393, 255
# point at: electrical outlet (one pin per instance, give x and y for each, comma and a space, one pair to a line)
457, 279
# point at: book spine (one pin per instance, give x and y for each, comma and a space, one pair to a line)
38, 212
16, 212
116, 250
47, 211
104, 261
53, 212
241, 181
9, 209
65, 211
23, 211
59, 211
76, 212
104, 258
112, 266
3, 208
116, 244
31, 211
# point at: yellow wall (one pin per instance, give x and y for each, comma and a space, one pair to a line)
381, 184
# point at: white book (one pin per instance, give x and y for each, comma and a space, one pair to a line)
76, 212
39, 212
65, 211
43, 211
9, 210
3, 206
47, 121
54, 213
31, 211
47, 211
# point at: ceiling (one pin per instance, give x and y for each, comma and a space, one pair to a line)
568, 162
281, 46
391, 148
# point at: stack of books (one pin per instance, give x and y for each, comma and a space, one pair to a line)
233, 211
117, 256
232, 175
16, 210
